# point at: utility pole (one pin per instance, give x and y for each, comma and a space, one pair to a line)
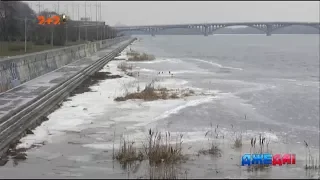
39, 7
59, 7
100, 12
55, 8
90, 11
66, 33
67, 10
104, 32
85, 12
67, 13
73, 17
25, 19
79, 20
101, 19
25, 34
97, 20
52, 29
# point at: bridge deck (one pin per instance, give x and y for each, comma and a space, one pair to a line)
24, 93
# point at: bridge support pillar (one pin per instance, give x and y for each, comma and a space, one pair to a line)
269, 29
206, 29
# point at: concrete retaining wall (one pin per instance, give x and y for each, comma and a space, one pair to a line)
14, 124
19, 69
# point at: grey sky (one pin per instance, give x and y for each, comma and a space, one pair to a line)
166, 12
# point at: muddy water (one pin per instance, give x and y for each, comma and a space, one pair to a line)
78, 139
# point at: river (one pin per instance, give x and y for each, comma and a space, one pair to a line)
257, 84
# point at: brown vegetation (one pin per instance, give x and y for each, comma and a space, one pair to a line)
136, 56
150, 93
165, 171
157, 149
127, 152
213, 136
124, 66
237, 138
312, 163
263, 147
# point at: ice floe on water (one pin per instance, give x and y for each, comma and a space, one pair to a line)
80, 109
84, 109
98, 111
97, 115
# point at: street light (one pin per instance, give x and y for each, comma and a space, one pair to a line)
25, 34
25, 31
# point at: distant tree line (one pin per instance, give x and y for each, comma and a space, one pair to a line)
13, 26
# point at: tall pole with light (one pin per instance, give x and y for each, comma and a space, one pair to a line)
25, 34
64, 17
85, 12
101, 20
97, 21
79, 21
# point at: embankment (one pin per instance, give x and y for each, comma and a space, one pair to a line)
27, 105
19, 69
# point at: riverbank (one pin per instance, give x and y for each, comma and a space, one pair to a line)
27, 105
78, 139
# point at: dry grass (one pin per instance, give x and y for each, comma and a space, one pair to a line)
158, 149
124, 66
263, 147
136, 56
311, 162
127, 69
188, 93
14, 48
164, 171
213, 136
238, 142
132, 53
132, 74
213, 150
150, 93
128, 153
174, 96
237, 138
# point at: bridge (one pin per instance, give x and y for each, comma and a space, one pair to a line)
209, 28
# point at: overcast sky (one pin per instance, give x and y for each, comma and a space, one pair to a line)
179, 12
